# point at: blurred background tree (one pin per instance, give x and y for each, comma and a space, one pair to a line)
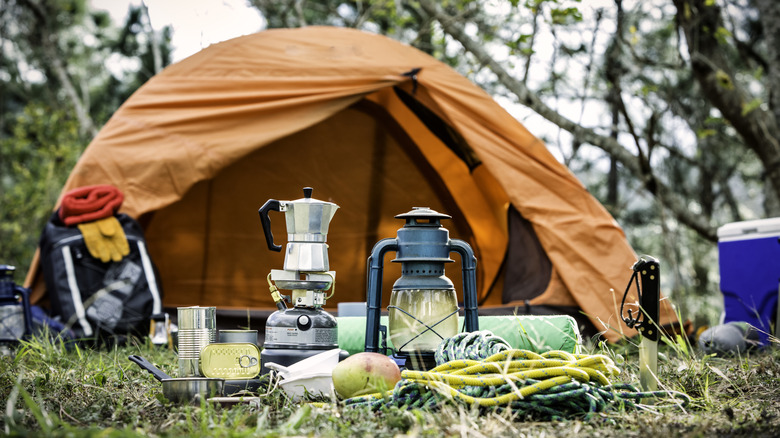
65, 69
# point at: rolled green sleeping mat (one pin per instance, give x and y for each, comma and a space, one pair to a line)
524, 332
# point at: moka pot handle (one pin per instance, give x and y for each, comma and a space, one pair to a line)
270, 205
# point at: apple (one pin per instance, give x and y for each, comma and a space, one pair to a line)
365, 373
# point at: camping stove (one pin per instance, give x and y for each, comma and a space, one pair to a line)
293, 334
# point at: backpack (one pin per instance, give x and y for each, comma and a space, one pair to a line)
95, 299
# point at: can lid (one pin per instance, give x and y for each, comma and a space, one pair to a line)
753, 229
230, 360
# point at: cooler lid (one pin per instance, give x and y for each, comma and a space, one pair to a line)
754, 229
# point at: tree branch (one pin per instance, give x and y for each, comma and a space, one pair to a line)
667, 196
57, 64
154, 42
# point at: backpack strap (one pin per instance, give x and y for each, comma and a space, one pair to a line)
75, 293
151, 280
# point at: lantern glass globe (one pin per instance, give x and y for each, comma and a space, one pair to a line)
412, 311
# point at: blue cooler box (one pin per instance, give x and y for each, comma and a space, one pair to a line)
749, 254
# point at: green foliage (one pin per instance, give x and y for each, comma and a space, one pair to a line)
704, 133
34, 163
561, 16
724, 80
749, 107
521, 45
722, 35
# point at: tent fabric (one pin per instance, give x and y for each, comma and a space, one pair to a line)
373, 125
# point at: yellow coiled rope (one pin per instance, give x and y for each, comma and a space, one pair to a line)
554, 384
511, 367
481, 369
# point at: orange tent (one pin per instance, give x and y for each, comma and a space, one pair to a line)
373, 125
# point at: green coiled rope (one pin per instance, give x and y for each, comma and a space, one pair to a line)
483, 370
470, 345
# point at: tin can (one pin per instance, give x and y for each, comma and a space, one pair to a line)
230, 360
197, 329
238, 336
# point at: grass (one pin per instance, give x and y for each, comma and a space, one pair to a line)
48, 390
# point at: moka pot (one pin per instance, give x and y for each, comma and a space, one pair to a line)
307, 231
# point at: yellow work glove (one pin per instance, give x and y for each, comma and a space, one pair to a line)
105, 239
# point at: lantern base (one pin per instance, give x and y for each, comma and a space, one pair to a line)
415, 360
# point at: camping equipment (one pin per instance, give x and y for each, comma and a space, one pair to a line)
470, 346
552, 385
523, 332
99, 300
89, 204
92, 210
231, 401
105, 239
648, 270
352, 309
237, 336
317, 384
241, 386
161, 330
312, 375
750, 274
423, 306
376, 124
15, 314
323, 361
184, 389
306, 329
238, 361
197, 329
732, 338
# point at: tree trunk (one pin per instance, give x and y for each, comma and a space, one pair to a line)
699, 20
769, 11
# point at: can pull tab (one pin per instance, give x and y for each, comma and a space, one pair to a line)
247, 361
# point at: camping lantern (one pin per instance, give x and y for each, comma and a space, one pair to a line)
15, 314
423, 306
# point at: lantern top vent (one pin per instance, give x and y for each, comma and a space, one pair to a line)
423, 216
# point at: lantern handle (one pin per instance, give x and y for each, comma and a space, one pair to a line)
374, 291
468, 264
